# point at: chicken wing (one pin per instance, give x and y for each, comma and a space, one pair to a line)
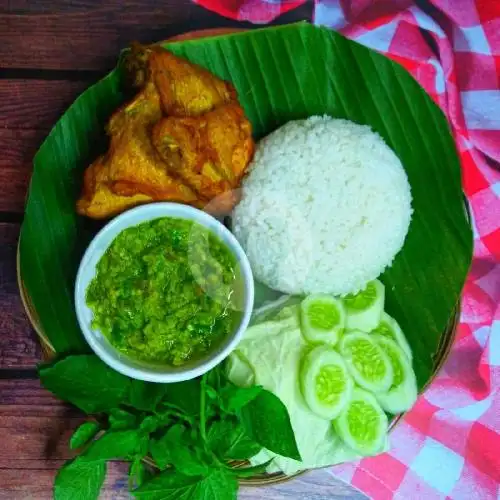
185, 89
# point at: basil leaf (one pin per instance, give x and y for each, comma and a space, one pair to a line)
214, 377
86, 382
176, 448
121, 419
137, 473
220, 485
184, 396
114, 445
267, 421
234, 398
230, 440
171, 485
78, 480
146, 395
251, 471
160, 453
84, 434
212, 393
151, 423
167, 412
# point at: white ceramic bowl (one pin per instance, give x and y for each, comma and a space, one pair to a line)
86, 272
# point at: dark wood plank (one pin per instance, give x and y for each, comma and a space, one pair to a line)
89, 35
36, 104
313, 485
28, 110
23, 7
27, 484
35, 429
38, 426
18, 149
31, 482
19, 348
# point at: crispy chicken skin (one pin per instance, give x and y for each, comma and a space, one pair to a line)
183, 138
131, 172
98, 201
186, 89
210, 152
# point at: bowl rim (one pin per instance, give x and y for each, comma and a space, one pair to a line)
97, 341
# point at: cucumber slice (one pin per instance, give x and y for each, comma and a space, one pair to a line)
388, 327
325, 382
239, 371
322, 319
367, 362
364, 309
363, 424
403, 392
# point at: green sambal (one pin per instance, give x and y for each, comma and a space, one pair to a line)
164, 291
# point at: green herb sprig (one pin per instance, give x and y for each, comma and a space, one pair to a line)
192, 430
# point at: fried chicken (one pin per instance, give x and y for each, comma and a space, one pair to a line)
183, 138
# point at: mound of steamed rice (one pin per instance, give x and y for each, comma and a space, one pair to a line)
325, 208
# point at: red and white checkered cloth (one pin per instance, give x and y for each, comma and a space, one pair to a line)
448, 445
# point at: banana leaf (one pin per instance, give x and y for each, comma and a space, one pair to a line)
280, 74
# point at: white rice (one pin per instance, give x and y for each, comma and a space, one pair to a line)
325, 208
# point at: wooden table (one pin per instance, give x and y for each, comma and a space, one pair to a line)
50, 51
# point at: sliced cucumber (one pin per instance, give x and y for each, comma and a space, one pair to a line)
239, 371
364, 309
325, 382
367, 362
363, 424
322, 319
403, 392
388, 327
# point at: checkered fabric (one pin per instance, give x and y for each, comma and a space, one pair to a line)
448, 445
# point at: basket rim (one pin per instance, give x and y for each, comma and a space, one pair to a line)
439, 357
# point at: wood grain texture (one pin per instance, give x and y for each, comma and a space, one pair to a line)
18, 148
19, 484
314, 485
36, 104
36, 428
28, 110
89, 35
19, 348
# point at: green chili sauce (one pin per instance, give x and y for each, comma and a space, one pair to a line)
164, 291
